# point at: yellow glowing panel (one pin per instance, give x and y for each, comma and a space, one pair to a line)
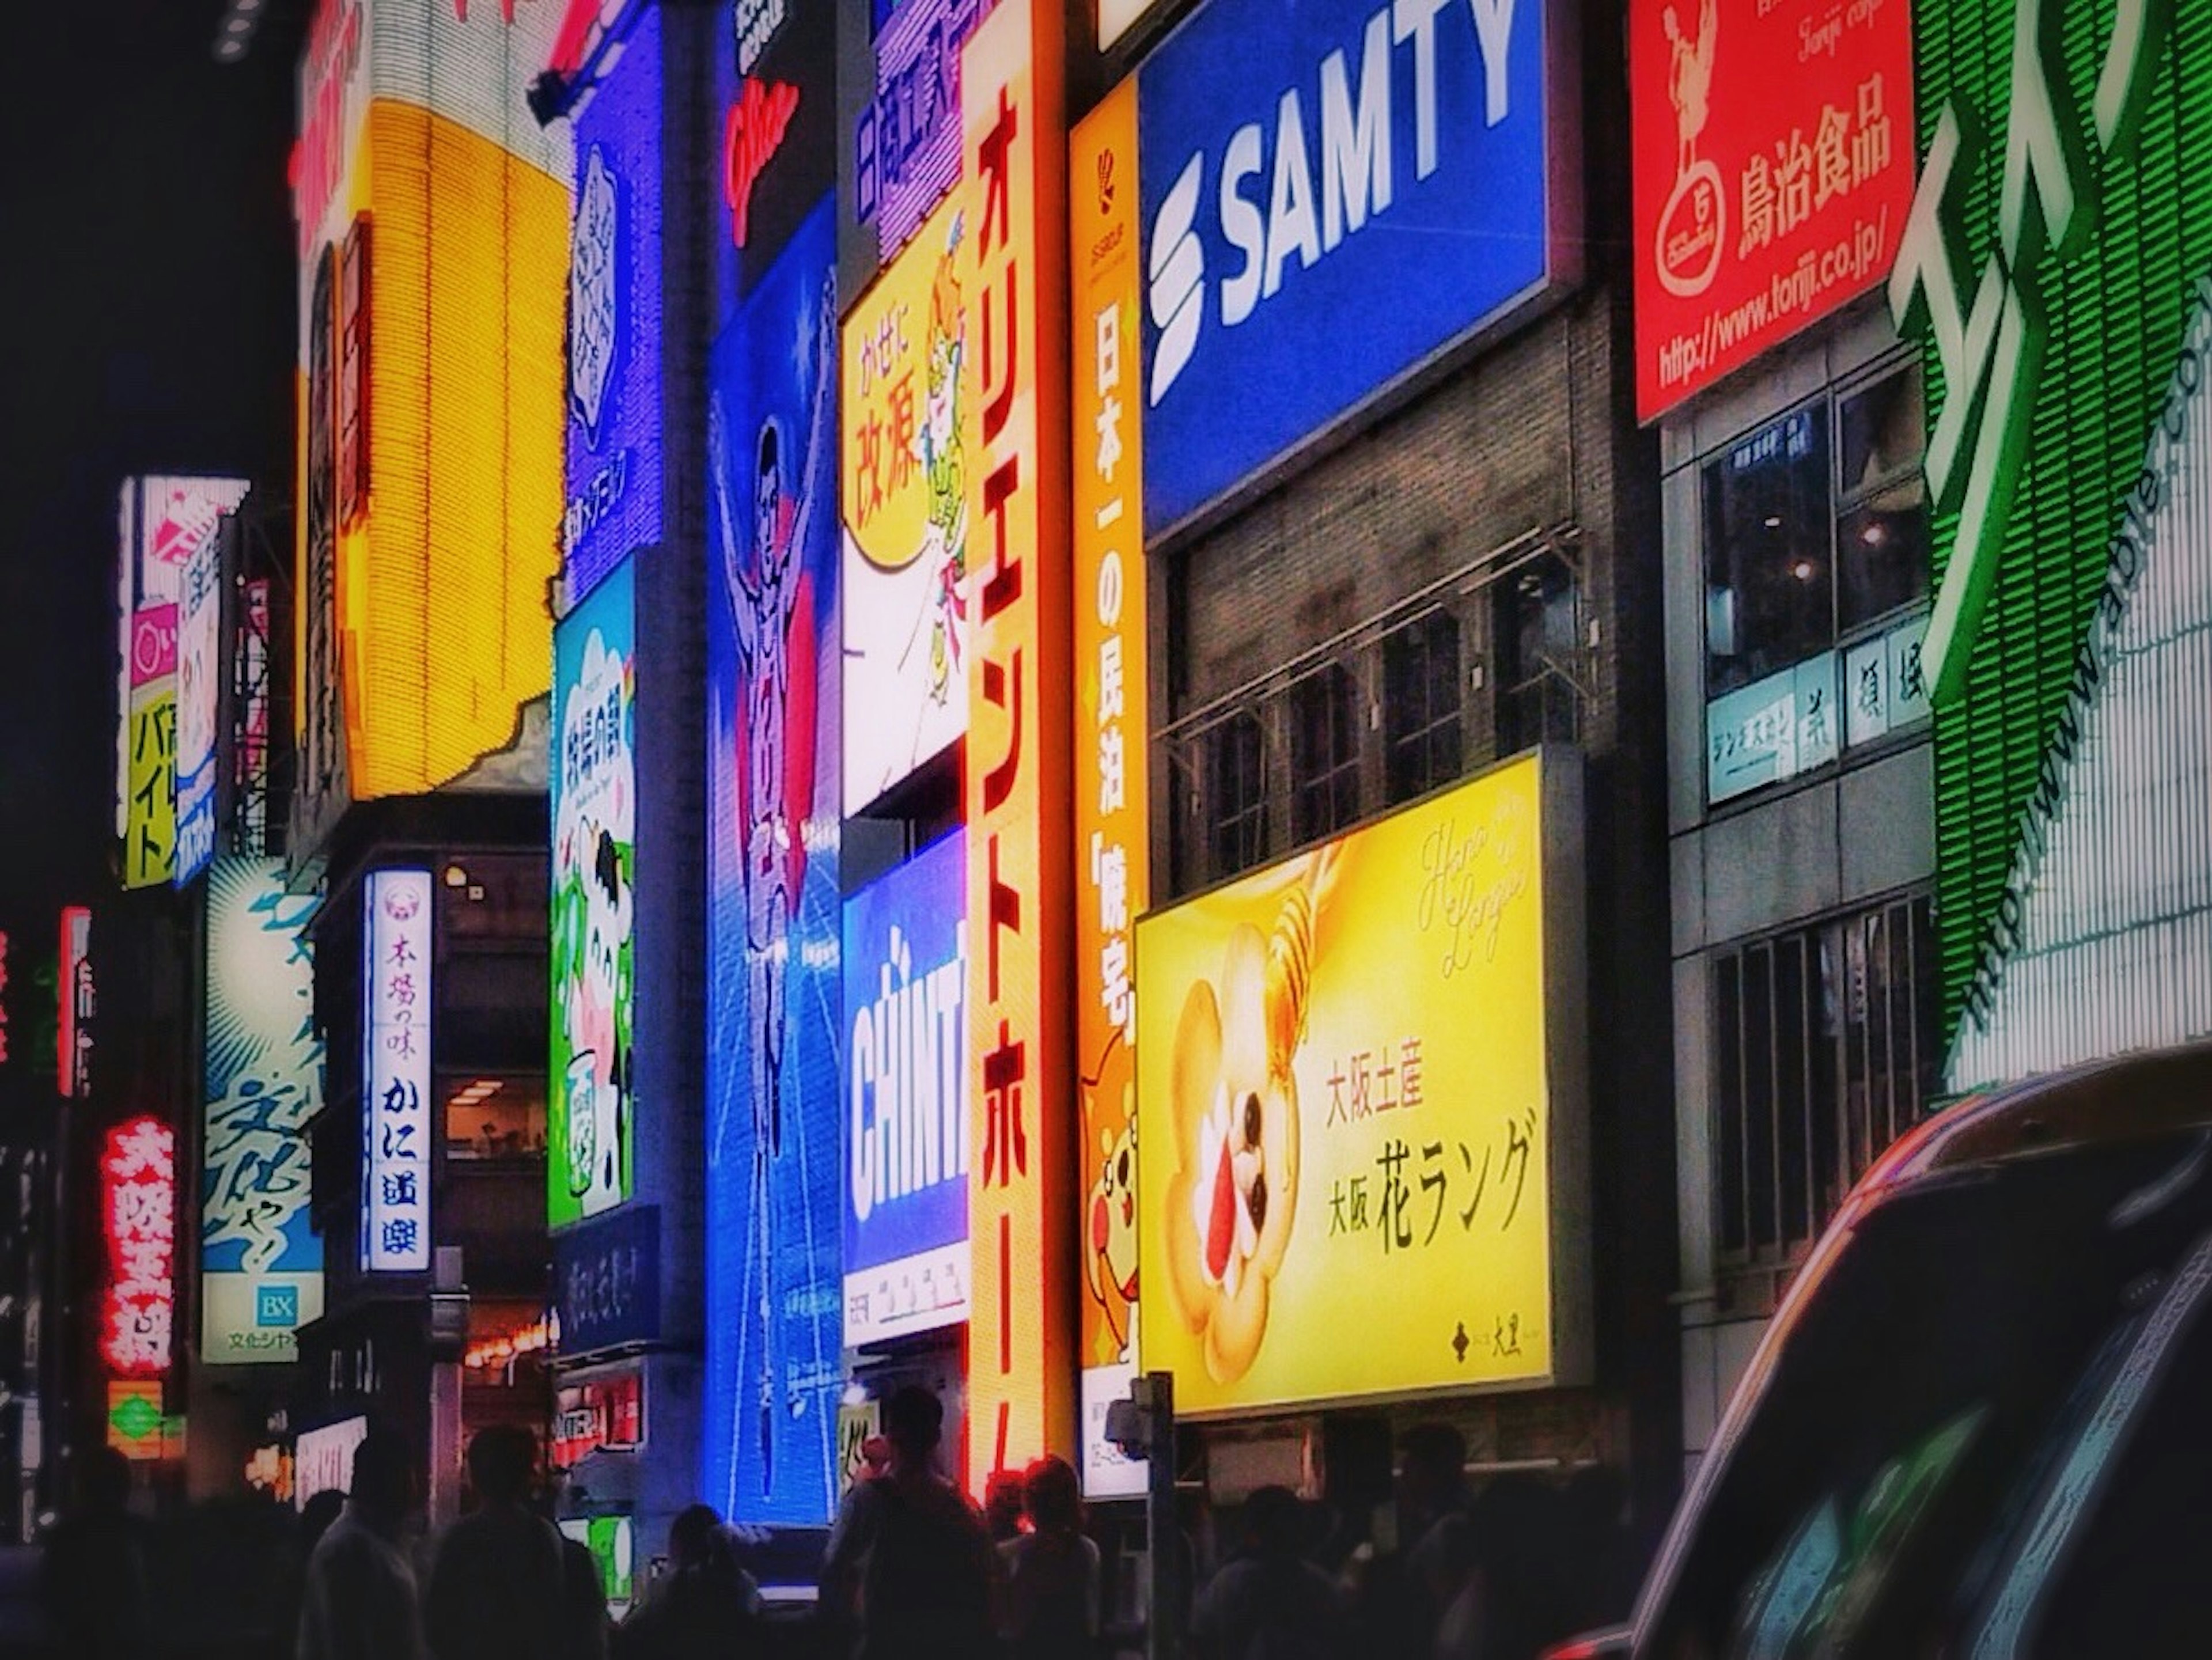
444, 628
1021, 1338
1112, 881
1345, 1106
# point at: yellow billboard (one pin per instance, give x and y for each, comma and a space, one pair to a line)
1360, 1139
433, 213
903, 451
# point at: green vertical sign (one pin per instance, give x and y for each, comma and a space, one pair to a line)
2063, 221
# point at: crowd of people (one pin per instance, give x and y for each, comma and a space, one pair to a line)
913, 1570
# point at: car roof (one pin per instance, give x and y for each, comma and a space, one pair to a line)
2161, 1092
2131, 1098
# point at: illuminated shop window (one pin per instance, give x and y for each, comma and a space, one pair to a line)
1826, 1048
1815, 530
501, 1116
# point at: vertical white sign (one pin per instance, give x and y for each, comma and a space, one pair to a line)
396, 1096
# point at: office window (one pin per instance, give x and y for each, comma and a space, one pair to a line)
1815, 557
1826, 1051
1324, 714
1237, 792
1768, 592
1421, 705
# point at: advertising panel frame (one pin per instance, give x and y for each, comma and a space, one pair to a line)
592, 980
772, 1359
935, 875
1563, 984
1182, 300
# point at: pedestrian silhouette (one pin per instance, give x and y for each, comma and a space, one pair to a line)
360, 1602
501, 1582
1002, 1505
1050, 1603
709, 1608
96, 1577
910, 1566
1270, 1603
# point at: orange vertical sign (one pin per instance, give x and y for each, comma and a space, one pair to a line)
1021, 1332
1112, 876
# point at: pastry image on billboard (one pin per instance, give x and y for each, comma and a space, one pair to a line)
1109, 1240
1232, 1199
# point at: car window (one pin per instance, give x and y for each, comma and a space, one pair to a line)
1955, 1368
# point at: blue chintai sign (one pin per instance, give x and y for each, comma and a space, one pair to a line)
1334, 192
905, 1128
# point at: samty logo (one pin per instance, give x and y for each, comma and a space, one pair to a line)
1105, 183
751, 139
1305, 216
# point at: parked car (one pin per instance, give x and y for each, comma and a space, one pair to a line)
1977, 1426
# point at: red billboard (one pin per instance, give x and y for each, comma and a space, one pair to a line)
1773, 172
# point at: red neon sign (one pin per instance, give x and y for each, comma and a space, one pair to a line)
138, 1189
751, 138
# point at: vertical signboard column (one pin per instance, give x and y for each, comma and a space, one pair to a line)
261, 1260
591, 1153
1113, 879
1017, 782
396, 1097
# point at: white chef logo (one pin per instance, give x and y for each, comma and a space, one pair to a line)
592, 297
1688, 250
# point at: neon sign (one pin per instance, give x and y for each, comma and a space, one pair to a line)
138, 1210
1013, 291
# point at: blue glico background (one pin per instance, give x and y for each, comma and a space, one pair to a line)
774, 1368
925, 899
614, 466
1453, 252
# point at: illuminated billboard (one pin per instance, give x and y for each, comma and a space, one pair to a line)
1292, 160
149, 843
903, 444
904, 1237
1757, 215
1111, 797
1358, 1088
593, 1132
898, 142
199, 699
2056, 268
398, 1116
777, 67
1013, 289
166, 611
614, 457
74, 992
138, 1214
433, 212
773, 1364
261, 1260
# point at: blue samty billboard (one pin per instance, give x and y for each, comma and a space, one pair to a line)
1333, 193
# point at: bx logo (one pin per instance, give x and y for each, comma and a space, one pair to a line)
276, 1306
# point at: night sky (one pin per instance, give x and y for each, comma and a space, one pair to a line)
146, 324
